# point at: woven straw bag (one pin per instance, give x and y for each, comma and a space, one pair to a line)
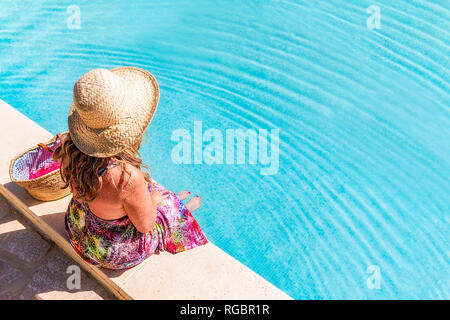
46, 187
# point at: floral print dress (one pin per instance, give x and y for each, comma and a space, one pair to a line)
117, 244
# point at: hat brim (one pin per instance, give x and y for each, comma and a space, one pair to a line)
142, 92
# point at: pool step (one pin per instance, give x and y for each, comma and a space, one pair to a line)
206, 272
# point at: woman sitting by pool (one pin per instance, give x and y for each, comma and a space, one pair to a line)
118, 215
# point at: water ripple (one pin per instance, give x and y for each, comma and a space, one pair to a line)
363, 118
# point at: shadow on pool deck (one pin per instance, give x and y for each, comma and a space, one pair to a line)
22, 194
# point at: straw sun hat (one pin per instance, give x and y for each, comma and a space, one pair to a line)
111, 109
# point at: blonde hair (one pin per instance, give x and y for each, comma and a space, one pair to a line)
82, 165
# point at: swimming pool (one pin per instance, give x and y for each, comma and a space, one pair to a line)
355, 205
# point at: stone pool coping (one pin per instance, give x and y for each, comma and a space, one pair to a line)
206, 272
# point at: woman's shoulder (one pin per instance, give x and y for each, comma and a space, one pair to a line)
120, 183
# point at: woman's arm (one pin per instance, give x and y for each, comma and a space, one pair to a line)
138, 203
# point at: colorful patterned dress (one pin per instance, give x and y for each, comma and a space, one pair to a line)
117, 244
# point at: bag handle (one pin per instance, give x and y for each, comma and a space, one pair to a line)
58, 136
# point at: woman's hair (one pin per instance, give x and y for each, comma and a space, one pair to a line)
82, 165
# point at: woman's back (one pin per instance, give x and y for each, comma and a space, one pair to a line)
124, 192
108, 205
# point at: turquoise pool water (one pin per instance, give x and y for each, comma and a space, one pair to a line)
359, 203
